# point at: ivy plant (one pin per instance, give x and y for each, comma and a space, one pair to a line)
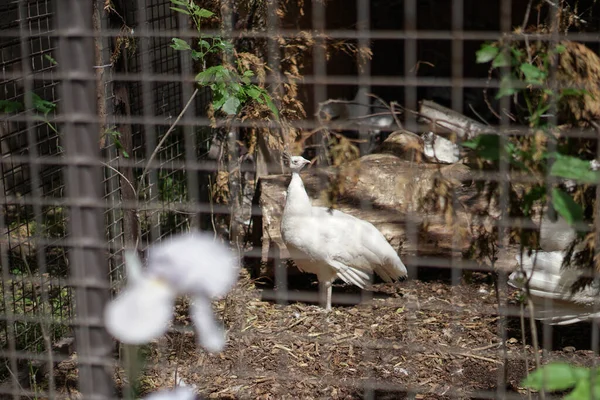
520, 76
231, 86
579, 383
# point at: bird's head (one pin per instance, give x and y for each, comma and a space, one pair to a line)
296, 163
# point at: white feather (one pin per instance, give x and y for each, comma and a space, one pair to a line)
550, 289
556, 236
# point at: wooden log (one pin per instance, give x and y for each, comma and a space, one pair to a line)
445, 122
411, 203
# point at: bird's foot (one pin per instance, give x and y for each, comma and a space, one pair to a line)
321, 310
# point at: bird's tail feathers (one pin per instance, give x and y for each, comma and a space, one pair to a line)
392, 269
354, 276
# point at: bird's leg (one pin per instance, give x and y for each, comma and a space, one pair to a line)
329, 293
325, 294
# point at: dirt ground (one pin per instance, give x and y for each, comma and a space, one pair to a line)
414, 339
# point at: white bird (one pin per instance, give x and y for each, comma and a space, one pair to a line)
556, 235
332, 244
550, 284
550, 289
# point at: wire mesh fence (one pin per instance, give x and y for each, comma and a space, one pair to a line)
460, 130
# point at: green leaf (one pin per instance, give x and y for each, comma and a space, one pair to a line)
567, 207
44, 120
210, 74
180, 10
486, 146
501, 60
179, 2
574, 168
222, 45
7, 106
537, 115
253, 92
197, 55
517, 53
532, 73
582, 391
41, 105
218, 99
231, 105
270, 104
179, 44
506, 87
49, 58
204, 44
573, 92
486, 53
236, 88
560, 48
222, 73
204, 13
533, 195
555, 376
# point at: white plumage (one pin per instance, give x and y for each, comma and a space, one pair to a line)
333, 244
550, 289
550, 284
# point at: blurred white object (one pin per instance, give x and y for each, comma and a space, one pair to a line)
550, 284
439, 149
332, 244
191, 264
181, 392
550, 289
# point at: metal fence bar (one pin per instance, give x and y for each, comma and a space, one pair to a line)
10, 328
190, 137
502, 286
149, 130
34, 173
88, 264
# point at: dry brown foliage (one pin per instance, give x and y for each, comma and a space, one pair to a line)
294, 51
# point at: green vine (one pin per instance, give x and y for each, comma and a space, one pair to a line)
231, 86
527, 80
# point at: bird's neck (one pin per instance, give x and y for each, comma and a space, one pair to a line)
297, 201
